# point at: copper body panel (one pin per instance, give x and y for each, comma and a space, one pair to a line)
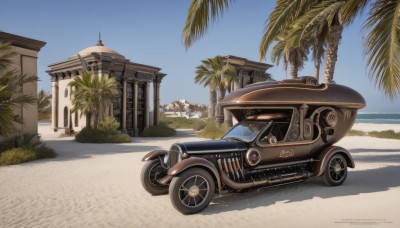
295, 92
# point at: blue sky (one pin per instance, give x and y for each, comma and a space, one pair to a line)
149, 32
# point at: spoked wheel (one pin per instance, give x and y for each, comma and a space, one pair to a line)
192, 191
151, 174
336, 171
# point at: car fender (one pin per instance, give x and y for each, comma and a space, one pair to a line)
189, 163
326, 154
154, 154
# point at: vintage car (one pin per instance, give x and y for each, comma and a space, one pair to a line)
285, 134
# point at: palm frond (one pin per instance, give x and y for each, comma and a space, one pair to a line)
285, 13
382, 46
200, 14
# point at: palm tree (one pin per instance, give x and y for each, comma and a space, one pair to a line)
382, 45
216, 74
11, 98
44, 107
281, 18
93, 94
291, 55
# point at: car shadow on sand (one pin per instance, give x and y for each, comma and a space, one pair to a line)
358, 182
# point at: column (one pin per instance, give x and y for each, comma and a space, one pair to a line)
147, 105
124, 105
241, 79
156, 109
54, 104
135, 107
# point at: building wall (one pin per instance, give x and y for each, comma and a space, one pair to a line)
65, 101
25, 62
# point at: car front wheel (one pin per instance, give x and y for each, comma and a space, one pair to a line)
192, 191
150, 176
335, 171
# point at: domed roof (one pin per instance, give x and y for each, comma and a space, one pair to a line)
101, 49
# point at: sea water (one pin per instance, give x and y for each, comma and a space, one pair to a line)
378, 118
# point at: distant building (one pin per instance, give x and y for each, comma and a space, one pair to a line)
132, 107
248, 71
25, 62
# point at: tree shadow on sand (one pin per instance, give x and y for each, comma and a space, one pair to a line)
69, 149
358, 182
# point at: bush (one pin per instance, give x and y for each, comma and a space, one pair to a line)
199, 125
212, 131
90, 135
177, 122
356, 133
390, 134
161, 130
109, 124
16, 156
44, 151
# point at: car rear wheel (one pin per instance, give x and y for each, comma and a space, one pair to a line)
150, 176
335, 171
192, 191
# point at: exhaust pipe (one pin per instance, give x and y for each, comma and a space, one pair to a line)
253, 183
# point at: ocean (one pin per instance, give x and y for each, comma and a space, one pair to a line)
378, 118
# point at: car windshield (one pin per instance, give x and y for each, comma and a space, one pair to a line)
246, 131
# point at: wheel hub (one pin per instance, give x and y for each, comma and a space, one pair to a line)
194, 191
338, 168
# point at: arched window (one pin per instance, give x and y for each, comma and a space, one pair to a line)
65, 117
66, 92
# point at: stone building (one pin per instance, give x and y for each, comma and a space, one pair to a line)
25, 62
131, 109
248, 72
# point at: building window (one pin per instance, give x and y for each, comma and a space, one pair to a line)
66, 92
65, 117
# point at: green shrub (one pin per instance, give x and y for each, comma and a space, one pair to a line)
90, 135
17, 155
199, 124
109, 124
44, 151
212, 131
161, 130
177, 122
390, 134
356, 133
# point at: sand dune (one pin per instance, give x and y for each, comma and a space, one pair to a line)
90, 185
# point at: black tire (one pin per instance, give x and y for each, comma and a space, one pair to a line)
336, 171
191, 191
152, 172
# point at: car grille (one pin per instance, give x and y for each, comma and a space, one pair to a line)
174, 156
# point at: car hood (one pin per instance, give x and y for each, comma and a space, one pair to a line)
212, 146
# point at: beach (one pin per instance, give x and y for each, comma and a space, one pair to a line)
98, 185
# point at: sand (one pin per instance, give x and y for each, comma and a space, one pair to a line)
91, 185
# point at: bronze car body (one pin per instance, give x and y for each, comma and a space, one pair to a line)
285, 134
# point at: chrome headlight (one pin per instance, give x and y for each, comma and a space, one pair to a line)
165, 159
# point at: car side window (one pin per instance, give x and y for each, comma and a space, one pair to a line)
276, 133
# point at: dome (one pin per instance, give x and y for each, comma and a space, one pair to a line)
101, 49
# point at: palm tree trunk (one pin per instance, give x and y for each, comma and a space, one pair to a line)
96, 121
213, 102
317, 65
294, 68
335, 35
220, 110
227, 114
